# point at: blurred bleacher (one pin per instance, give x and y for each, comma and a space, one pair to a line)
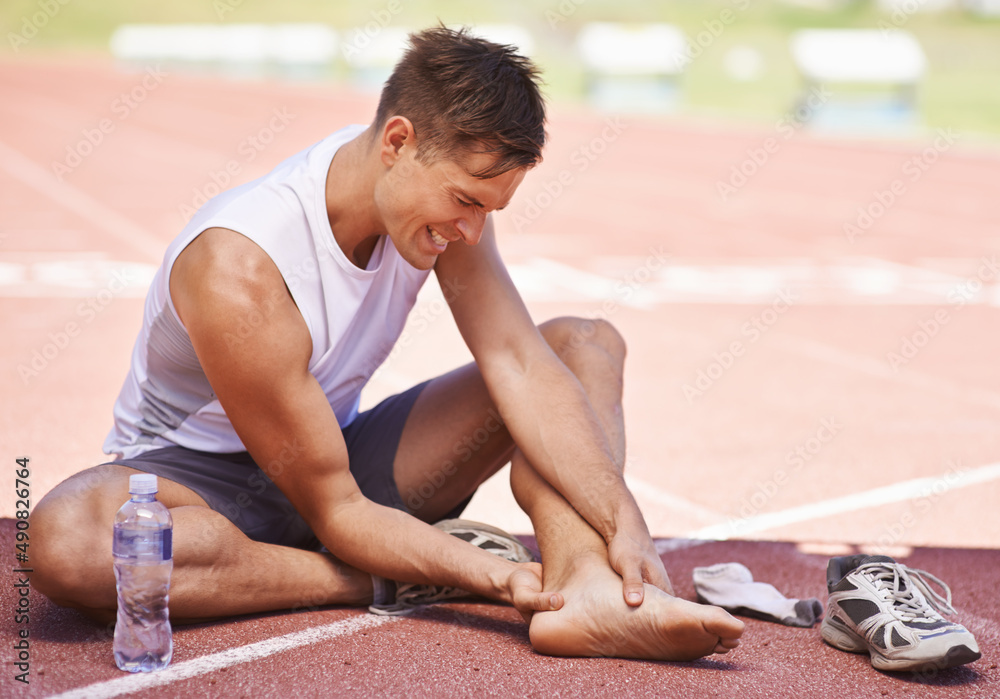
871, 77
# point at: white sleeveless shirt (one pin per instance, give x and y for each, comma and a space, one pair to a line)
354, 315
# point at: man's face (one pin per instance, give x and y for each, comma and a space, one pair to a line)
426, 207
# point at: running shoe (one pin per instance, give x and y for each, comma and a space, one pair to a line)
883, 608
409, 596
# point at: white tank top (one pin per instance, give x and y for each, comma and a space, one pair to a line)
354, 315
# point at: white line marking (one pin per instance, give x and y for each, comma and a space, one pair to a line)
216, 661
586, 284
923, 272
646, 491
71, 274
69, 197
839, 282
897, 492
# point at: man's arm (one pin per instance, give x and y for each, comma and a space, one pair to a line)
262, 380
545, 408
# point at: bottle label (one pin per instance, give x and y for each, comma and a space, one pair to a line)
149, 545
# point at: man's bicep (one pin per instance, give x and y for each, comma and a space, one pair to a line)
251, 343
254, 348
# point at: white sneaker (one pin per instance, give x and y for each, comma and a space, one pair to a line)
409, 596
881, 607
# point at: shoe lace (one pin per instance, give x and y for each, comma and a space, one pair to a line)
908, 588
411, 596
414, 594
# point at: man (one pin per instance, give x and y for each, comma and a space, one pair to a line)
271, 311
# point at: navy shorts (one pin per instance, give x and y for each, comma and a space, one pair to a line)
235, 486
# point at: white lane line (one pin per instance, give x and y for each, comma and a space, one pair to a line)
897, 492
586, 284
628, 281
881, 369
130, 684
676, 504
71, 275
26, 171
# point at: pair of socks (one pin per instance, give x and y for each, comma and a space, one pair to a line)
732, 587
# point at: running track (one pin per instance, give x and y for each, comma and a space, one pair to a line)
793, 390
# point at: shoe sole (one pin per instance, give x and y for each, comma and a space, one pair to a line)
849, 642
522, 553
840, 638
956, 655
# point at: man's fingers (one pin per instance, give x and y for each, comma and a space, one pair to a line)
541, 601
528, 596
632, 586
527, 603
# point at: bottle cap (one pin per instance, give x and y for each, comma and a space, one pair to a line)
142, 484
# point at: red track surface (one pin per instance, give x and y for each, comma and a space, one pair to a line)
713, 461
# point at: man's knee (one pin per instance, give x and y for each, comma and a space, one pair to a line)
567, 334
63, 549
71, 534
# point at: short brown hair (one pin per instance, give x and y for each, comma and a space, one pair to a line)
464, 94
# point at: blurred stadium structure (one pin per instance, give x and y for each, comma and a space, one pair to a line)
865, 57
632, 68
297, 49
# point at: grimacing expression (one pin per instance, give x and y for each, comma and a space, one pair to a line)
428, 206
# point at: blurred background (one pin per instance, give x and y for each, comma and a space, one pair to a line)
739, 62
789, 209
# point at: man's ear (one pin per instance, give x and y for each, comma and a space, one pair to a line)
397, 134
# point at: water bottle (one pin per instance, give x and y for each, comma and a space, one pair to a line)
143, 562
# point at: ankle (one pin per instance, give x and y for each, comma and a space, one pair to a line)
573, 568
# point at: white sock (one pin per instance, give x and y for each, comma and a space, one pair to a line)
732, 587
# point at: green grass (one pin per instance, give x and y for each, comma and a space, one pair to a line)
961, 89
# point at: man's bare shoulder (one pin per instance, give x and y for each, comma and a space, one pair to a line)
223, 282
224, 264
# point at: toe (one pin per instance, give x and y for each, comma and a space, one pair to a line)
723, 624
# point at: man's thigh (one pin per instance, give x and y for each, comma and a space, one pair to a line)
454, 437
452, 441
78, 513
232, 485
103, 489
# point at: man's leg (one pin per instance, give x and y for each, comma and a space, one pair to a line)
595, 621
451, 418
218, 570
453, 441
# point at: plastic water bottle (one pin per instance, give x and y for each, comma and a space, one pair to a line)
143, 563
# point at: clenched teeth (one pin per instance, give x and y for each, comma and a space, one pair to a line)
437, 237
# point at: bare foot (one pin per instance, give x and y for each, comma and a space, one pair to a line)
595, 621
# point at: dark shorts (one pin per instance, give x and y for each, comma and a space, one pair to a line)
235, 486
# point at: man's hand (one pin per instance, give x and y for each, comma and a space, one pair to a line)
524, 587
634, 557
